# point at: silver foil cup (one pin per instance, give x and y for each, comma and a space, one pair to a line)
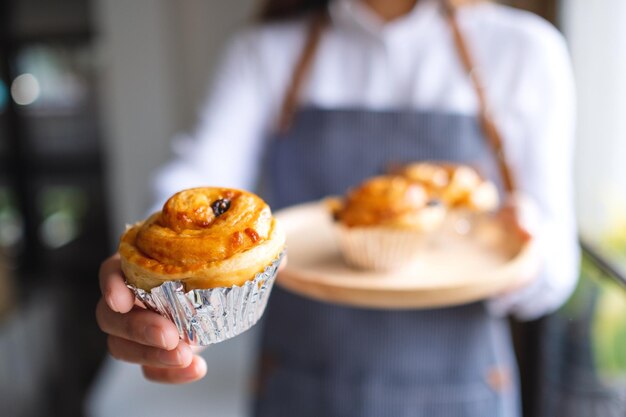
205, 317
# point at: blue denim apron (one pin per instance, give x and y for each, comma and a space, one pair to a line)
327, 360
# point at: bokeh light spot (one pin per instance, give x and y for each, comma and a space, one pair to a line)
25, 89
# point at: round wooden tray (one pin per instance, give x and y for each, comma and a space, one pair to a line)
455, 269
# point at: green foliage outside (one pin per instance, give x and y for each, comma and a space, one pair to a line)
609, 319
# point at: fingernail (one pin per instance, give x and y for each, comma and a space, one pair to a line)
111, 304
155, 336
194, 370
170, 357
199, 368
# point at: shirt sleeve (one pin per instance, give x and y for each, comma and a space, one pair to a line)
226, 146
542, 159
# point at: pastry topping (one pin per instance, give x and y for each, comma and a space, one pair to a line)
186, 232
253, 235
434, 202
220, 206
237, 239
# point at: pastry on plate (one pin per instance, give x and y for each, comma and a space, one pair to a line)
465, 193
207, 260
383, 223
459, 187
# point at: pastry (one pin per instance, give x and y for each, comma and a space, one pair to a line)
203, 237
205, 245
457, 186
383, 223
390, 202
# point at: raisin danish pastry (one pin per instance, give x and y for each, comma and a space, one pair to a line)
204, 237
205, 242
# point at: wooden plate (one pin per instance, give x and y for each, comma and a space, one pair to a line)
455, 269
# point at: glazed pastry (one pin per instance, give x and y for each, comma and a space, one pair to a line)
203, 237
390, 202
457, 186
207, 261
385, 222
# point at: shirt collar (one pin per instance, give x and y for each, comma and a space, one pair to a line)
355, 15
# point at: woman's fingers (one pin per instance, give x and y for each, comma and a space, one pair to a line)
139, 325
511, 217
128, 351
195, 371
114, 289
141, 336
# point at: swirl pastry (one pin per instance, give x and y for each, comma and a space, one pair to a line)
457, 186
389, 201
383, 223
204, 238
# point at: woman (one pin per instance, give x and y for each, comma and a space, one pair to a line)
322, 95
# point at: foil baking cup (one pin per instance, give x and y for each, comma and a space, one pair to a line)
206, 317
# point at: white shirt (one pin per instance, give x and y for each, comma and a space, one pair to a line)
410, 62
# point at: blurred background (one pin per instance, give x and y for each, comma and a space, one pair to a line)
91, 94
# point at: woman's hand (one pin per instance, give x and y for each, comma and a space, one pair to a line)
520, 215
141, 336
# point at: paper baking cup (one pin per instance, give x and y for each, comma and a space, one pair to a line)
205, 317
380, 249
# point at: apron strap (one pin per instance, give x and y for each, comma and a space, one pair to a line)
491, 131
318, 24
